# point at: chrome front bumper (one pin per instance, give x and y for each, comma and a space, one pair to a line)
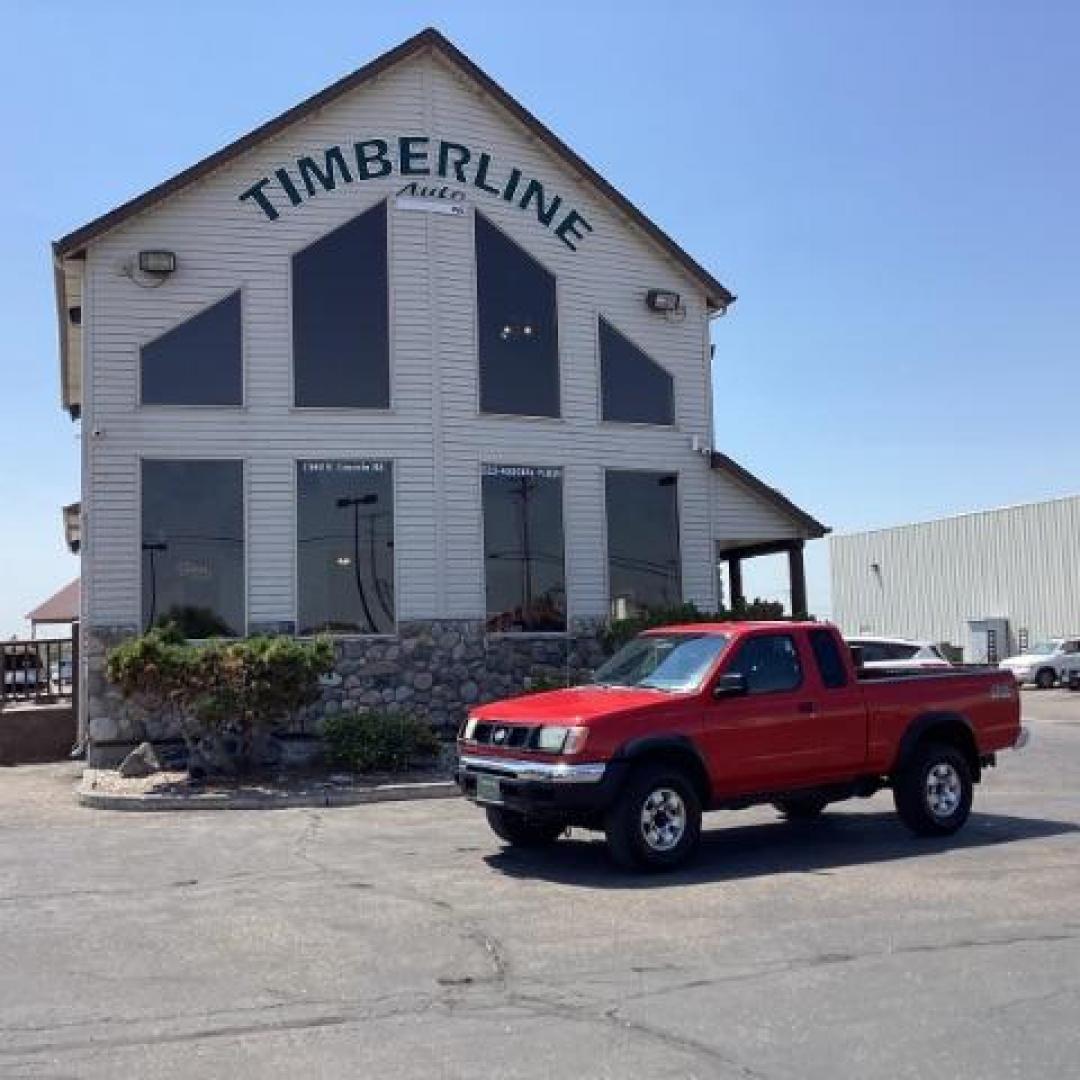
550, 772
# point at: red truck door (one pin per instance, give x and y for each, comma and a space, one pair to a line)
790, 729
842, 722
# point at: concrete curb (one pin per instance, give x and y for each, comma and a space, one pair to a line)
324, 797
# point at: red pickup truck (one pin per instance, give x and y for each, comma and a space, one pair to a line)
708, 716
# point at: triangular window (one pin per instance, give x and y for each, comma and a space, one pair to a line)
341, 318
635, 389
518, 328
198, 362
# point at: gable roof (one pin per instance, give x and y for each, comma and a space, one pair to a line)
776, 499
61, 607
718, 297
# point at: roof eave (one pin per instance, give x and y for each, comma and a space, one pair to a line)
718, 298
813, 528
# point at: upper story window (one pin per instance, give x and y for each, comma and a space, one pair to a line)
517, 328
193, 546
523, 548
345, 546
341, 322
644, 567
198, 362
634, 387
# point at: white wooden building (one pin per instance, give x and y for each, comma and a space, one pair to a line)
397, 359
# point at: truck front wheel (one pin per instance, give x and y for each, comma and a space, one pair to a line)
655, 823
933, 791
521, 831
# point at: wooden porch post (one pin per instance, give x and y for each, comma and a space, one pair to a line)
735, 585
797, 572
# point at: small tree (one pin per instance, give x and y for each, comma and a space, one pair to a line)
155, 672
220, 695
247, 687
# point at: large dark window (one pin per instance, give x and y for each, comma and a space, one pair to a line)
345, 546
198, 362
523, 548
193, 546
634, 387
518, 328
643, 541
341, 335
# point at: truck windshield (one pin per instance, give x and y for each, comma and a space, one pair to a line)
674, 662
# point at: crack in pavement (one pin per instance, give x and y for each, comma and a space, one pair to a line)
804, 963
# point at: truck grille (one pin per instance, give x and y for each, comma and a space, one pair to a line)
512, 736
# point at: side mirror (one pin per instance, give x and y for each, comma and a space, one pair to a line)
732, 684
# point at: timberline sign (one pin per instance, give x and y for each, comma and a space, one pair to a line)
409, 156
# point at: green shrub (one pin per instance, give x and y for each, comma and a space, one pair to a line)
620, 631
371, 741
220, 694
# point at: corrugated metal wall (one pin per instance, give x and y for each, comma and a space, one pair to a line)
1021, 563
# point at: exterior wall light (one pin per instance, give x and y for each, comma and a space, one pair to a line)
662, 300
158, 263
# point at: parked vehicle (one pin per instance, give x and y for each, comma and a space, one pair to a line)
727, 715
21, 665
898, 653
60, 673
1044, 664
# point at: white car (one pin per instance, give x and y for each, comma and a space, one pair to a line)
1045, 663
898, 653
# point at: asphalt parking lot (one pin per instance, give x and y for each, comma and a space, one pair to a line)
400, 940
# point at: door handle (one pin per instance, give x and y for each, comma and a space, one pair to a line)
807, 707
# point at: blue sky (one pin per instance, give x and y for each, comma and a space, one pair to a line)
891, 188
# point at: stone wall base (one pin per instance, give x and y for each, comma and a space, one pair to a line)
435, 670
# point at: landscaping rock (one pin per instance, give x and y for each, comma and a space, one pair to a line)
142, 761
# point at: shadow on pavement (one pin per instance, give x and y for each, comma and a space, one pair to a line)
730, 854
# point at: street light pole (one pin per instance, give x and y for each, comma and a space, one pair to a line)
354, 504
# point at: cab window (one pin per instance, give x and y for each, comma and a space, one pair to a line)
770, 664
830, 663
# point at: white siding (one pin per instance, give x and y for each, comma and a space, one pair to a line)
432, 432
1018, 563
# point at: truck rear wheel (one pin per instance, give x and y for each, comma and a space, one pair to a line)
933, 791
655, 823
521, 831
801, 807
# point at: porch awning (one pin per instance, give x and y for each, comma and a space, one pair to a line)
747, 512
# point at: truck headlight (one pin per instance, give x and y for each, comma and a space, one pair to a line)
561, 740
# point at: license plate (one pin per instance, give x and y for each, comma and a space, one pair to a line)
488, 790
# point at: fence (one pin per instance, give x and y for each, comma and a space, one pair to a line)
39, 671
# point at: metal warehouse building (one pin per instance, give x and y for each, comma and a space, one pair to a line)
400, 367
986, 582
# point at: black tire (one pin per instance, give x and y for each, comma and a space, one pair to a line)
1046, 678
801, 807
933, 791
521, 831
674, 821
